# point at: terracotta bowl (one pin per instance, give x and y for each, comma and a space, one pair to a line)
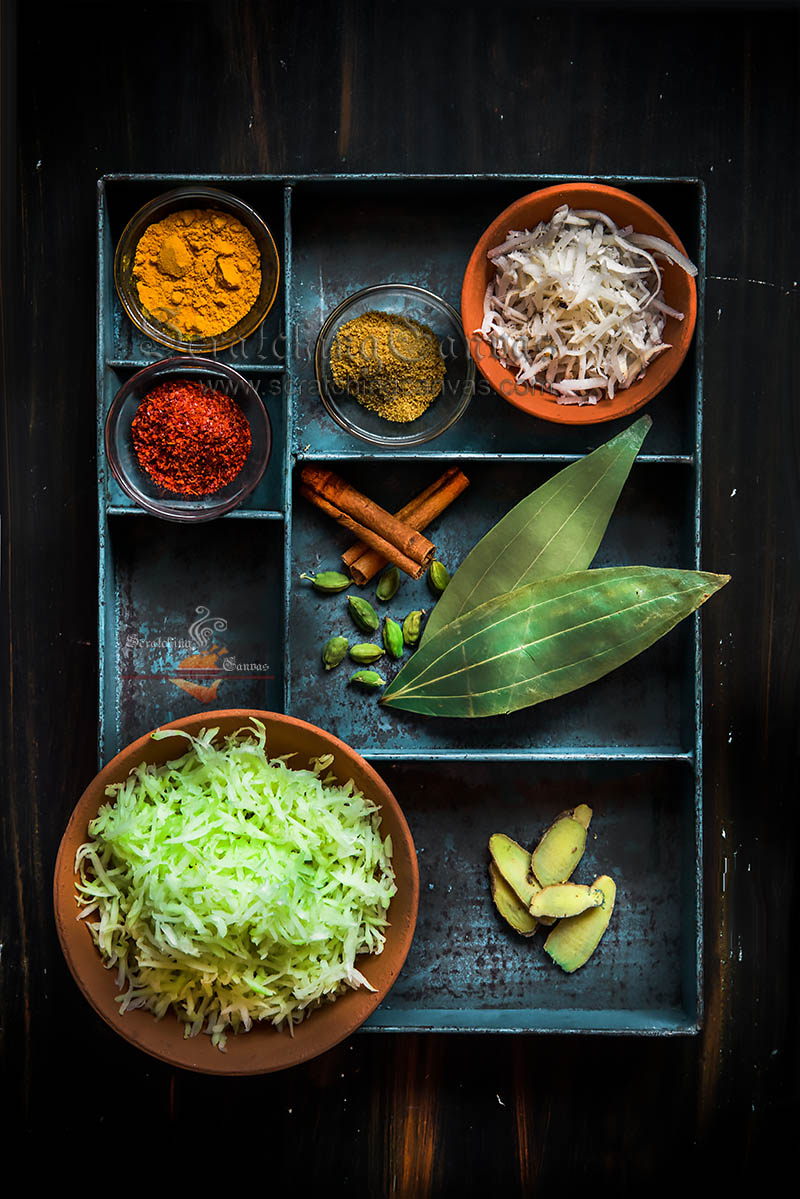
680, 292
263, 1049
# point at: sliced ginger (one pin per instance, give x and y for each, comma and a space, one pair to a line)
583, 814
559, 851
532, 889
514, 863
573, 941
565, 899
509, 906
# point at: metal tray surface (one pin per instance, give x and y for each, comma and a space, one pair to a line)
647, 705
464, 970
217, 615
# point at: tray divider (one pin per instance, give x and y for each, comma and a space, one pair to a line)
476, 456
236, 514
289, 441
608, 753
695, 983
103, 540
244, 368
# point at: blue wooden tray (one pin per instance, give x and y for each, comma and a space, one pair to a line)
216, 614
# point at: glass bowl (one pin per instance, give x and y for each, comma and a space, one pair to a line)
402, 299
175, 201
141, 488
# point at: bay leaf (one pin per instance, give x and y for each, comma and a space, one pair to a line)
547, 638
556, 529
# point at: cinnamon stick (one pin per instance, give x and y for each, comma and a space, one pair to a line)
340, 495
374, 540
363, 562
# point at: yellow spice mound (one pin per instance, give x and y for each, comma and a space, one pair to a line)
197, 271
393, 365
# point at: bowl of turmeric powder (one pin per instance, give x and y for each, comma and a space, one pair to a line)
196, 269
393, 367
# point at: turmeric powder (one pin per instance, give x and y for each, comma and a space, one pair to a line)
198, 272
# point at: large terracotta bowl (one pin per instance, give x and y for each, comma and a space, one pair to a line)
680, 293
264, 1048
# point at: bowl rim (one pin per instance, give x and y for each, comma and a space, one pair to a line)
142, 320
408, 440
193, 1053
535, 401
153, 369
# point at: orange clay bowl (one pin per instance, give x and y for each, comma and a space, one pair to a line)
264, 1048
680, 292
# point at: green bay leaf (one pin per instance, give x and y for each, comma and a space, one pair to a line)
547, 638
556, 529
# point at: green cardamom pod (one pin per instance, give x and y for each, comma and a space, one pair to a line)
363, 613
368, 678
438, 578
329, 582
412, 627
334, 651
366, 652
393, 637
388, 584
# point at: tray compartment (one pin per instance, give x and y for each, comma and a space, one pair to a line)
162, 580
467, 969
348, 234
270, 495
645, 706
266, 347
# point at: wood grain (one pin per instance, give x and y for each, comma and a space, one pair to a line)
433, 87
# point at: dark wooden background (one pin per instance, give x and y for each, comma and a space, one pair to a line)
437, 86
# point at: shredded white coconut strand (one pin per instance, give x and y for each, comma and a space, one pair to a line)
576, 305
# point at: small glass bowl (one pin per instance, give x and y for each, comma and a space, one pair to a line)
402, 299
141, 488
175, 201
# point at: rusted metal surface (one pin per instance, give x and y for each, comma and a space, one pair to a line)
466, 969
219, 615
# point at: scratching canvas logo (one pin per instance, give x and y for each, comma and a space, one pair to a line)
204, 661
201, 673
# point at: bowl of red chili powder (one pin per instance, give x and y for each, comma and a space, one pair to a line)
187, 439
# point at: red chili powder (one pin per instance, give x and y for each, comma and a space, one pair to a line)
189, 438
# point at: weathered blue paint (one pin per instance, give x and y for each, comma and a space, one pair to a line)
631, 745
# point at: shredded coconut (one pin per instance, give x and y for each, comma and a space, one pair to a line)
576, 304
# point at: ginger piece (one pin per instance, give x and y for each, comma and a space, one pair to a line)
582, 813
514, 864
565, 899
573, 940
509, 906
559, 851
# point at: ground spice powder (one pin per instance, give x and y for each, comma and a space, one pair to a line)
190, 439
393, 365
197, 271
